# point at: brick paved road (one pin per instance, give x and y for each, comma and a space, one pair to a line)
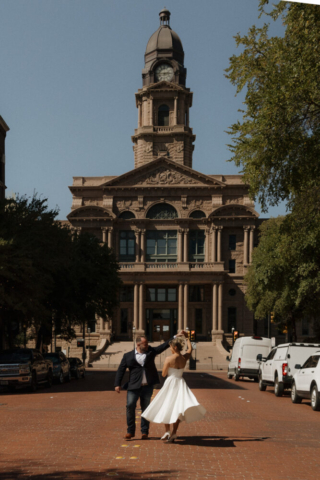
75, 431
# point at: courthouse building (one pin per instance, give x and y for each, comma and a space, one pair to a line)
183, 238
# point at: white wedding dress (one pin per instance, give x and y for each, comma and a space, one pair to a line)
174, 401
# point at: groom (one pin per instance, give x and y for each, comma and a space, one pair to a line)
143, 376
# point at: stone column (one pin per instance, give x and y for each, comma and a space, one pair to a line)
139, 114
214, 245
180, 309
219, 249
214, 308
220, 306
137, 234
180, 240
206, 245
136, 306
176, 110
151, 110
104, 234
141, 308
245, 246
185, 305
110, 230
186, 245
143, 246
187, 115
251, 243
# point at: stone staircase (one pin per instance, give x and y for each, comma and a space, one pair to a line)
208, 356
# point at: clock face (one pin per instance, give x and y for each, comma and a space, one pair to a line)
164, 72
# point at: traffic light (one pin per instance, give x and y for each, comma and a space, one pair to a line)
80, 342
272, 317
192, 336
235, 335
285, 330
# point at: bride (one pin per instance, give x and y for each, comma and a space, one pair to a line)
175, 402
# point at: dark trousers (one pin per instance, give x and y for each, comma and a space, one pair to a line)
144, 393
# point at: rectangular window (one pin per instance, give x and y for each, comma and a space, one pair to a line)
232, 242
126, 293
232, 266
161, 246
196, 245
92, 325
155, 294
199, 321
127, 244
124, 320
232, 318
196, 293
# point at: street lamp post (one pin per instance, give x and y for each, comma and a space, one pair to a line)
24, 326
232, 331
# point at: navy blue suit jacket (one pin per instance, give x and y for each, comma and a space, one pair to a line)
136, 370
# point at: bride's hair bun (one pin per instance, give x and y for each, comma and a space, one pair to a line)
177, 343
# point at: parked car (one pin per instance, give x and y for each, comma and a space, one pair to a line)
24, 367
306, 382
61, 367
77, 368
243, 362
279, 368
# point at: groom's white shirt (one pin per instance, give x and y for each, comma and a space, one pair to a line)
141, 358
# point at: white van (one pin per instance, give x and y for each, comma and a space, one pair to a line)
243, 362
278, 368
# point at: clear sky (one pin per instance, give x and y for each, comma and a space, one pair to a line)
69, 72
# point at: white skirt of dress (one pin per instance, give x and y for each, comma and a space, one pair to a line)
174, 401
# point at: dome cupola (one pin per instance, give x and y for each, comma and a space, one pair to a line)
164, 47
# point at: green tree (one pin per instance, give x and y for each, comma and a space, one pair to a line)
48, 275
277, 142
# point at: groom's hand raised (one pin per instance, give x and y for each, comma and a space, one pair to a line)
117, 389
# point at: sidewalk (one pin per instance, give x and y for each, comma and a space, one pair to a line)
75, 431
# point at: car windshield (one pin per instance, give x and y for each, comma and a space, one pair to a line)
15, 357
53, 358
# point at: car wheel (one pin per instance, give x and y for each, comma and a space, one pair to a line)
49, 379
262, 387
256, 379
33, 386
315, 401
236, 377
294, 396
61, 377
77, 374
278, 388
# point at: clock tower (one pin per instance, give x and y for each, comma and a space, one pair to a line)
163, 102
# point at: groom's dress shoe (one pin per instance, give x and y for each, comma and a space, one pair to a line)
144, 436
129, 436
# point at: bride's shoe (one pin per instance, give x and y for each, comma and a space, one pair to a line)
166, 436
172, 438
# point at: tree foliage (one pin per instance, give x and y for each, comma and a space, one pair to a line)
48, 273
277, 142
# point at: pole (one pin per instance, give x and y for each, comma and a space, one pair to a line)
268, 325
84, 342
133, 336
232, 331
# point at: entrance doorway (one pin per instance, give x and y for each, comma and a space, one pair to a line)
161, 323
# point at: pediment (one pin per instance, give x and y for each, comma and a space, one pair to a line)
92, 212
163, 172
165, 85
234, 210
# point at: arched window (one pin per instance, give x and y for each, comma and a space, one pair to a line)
162, 211
163, 116
126, 215
198, 214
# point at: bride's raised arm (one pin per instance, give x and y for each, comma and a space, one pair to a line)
187, 355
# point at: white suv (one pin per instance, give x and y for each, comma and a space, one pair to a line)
279, 367
306, 382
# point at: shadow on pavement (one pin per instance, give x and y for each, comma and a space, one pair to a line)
217, 441
19, 474
103, 381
